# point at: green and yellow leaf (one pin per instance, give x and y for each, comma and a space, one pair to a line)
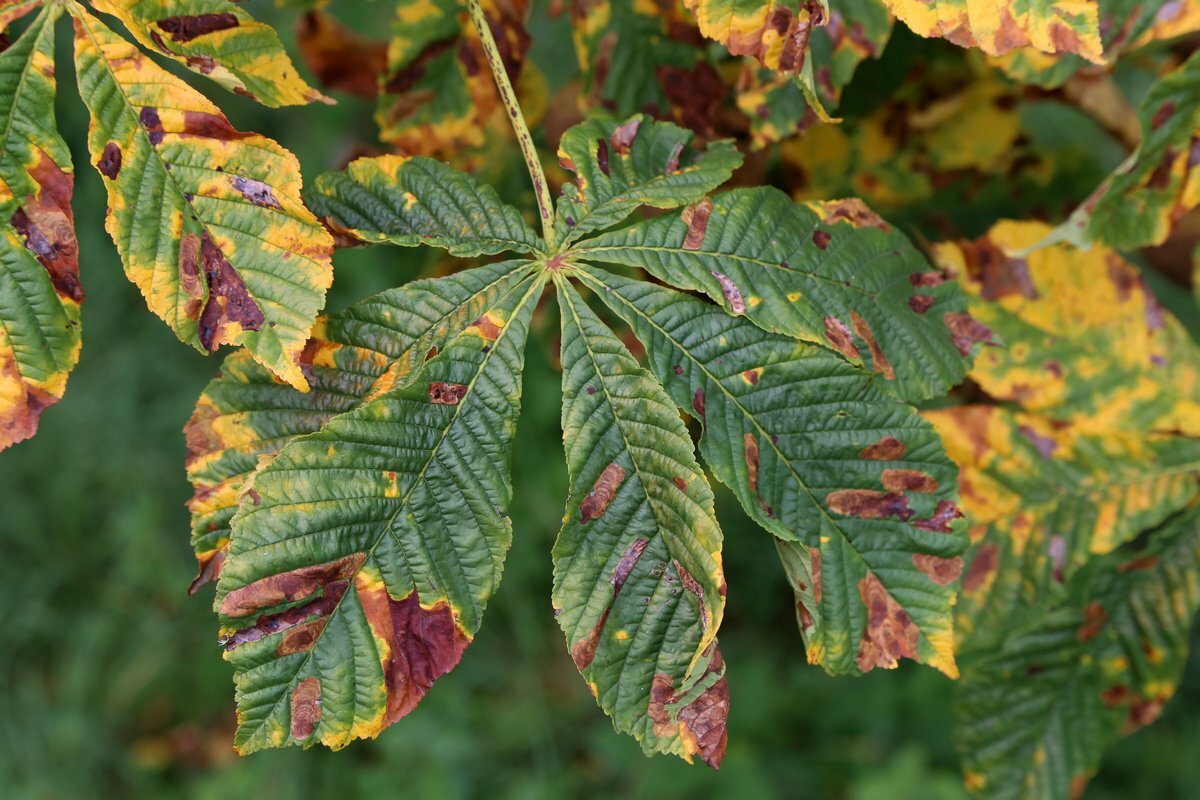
419, 201
1086, 342
996, 27
208, 220
774, 32
219, 40
638, 586
852, 483
833, 273
40, 291
245, 415
363, 555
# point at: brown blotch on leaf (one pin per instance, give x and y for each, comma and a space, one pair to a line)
821, 238
109, 164
966, 331
446, 394
487, 328
1133, 565
257, 192
622, 138
942, 571
693, 586
184, 29
926, 280
840, 337
920, 303
602, 493
732, 294
288, 587
908, 480
339, 57
228, 299
696, 217
750, 445
698, 403
700, 724
625, 566
998, 275
301, 638
751, 376
868, 504
982, 566
306, 707
879, 361
680, 483
890, 633
1094, 620
889, 448
47, 225
291, 621
583, 652
150, 120
423, 644
854, 211
602, 157
945, 513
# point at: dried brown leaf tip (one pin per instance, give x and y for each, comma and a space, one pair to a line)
602, 493
890, 633
700, 724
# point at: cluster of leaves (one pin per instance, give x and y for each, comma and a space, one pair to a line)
1034, 535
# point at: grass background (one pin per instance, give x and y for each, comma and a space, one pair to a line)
112, 683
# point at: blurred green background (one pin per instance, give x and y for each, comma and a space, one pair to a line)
112, 683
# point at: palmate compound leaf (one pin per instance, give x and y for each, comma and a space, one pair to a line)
638, 586
852, 483
364, 554
1037, 710
219, 40
246, 414
40, 291
208, 221
1159, 182
831, 272
998, 26
619, 167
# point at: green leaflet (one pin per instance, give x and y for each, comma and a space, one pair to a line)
246, 414
40, 291
1036, 711
414, 201
819, 455
364, 554
1044, 499
832, 273
219, 40
1159, 183
208, 221
620, 167
638, 586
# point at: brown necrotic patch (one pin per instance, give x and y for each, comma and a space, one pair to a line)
602, 493
47, 225
696, 217
701, 724
1094, 620
446, 394
622, 138
187, 28
693, 586
733, 295
306, 707
625, 566
602, 157
889, 448
257, 192
908, 480
750, 451
110, 161
583, 652
879, 362
942, 571
821, 238
966, 331
945, 513
998, 275
890, 633
698, 403
920, 303
288, 587
840, 338
854, 211
423, 643
229, 302
310, 616
868, 504
983, 565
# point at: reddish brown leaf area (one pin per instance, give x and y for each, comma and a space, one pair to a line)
208, 568
228, 300
700, 724
889, 448
926, 280
446, 394
423, 644
487, 328
602, 493
257, 192
868, 504
822, 238
750, 444
908, 480
625, 566
47, 225
110, 161
680, 483
696, 217
780, 24
945, 513
698, 403
339, 57
184, 29
301, 638
942, 571
693, 586
982, 566
1145, 562
288, 587
997, 274
584, 651
306, 707
890, 633
622, 138
854, 211
966, 331
1094, 620
920, 303
840, 337
18, 421
695, 96
879, 362
294, 621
